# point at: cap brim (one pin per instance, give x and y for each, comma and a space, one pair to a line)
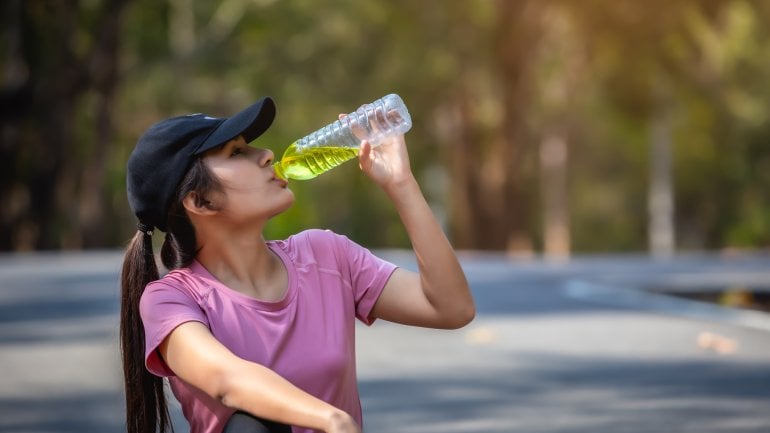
251, 122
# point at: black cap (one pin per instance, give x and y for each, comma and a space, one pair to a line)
167, 149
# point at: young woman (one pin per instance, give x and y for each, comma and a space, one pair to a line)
251, 330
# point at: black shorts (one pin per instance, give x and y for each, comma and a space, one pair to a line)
242, 422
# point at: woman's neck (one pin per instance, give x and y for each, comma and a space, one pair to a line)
247, 265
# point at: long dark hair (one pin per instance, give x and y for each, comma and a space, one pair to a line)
146, 407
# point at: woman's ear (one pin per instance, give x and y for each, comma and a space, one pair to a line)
198, 205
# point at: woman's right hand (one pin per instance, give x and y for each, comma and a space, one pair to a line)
341, 422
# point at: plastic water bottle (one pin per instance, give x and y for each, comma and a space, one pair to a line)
338, 142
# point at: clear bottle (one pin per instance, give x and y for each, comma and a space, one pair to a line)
338, 142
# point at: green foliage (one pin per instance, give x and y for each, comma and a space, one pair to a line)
483, 80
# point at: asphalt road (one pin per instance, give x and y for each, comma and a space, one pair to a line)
582, 346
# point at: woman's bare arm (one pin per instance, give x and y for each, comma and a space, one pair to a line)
196, 357
439, 296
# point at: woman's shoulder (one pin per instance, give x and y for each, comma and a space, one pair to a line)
313, 245
171, 300
312, 237
182, 281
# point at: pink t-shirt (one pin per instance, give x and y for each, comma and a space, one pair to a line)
307, 337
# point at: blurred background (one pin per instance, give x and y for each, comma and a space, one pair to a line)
603, 167
553, 127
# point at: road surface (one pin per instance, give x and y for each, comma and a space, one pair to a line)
578, 346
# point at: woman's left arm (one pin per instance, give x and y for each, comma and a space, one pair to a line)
438, 296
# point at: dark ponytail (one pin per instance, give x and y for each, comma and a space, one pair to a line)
146, 406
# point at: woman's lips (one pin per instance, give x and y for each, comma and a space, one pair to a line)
280, 181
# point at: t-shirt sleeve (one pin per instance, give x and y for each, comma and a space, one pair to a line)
368, 276
163, 307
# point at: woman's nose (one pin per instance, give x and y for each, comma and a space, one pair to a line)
266, 157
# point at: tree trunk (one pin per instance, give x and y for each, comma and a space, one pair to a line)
104, 76
54, 182
518, 35
660, 195
553, 181
492, 183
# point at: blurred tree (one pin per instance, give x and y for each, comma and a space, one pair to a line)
561, 67
533, 126
666, 82
724, 172
482, 122
60, 75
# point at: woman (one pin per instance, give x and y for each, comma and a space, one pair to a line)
261, 329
